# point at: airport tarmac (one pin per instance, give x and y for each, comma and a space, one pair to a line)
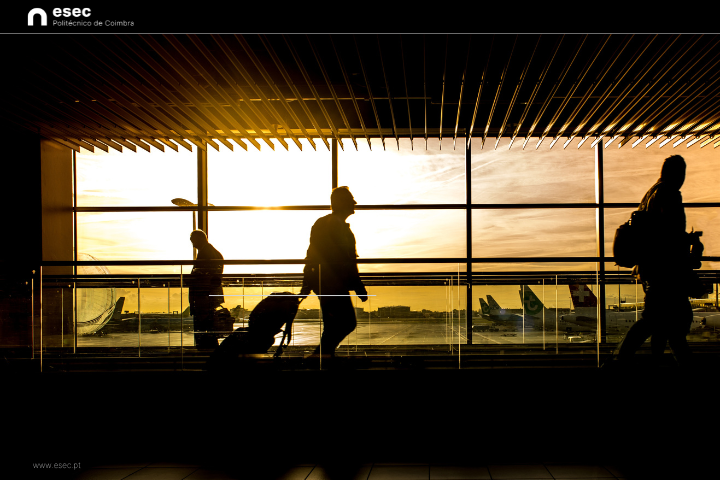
376, 332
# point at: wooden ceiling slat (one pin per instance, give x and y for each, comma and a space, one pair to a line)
628, 125
207, 76
596, 129
369, 89
555, 88
515, 94
195, 124
144, 92
462, 86
259, 93
573, 88
116, 112
309, 83
332, 90
352, 96
190, 94
298, 97
271, 83
136, 96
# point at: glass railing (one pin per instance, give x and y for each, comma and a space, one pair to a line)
127, 321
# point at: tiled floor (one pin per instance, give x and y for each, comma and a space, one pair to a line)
370, 471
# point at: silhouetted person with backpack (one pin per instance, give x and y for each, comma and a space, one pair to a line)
665, 270
331, 269
205, 290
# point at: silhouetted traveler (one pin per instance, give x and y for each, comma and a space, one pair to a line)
664, 274
205, 283
331, 269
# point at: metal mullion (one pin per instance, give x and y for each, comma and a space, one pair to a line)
497, 93
352, 95
137, 97
656, 97
259, 93
555, 87
606, 94
387, 87
190, 116
442, 95
573, 88
293, 88
194, 95
331, 89
132, 110
462, 85
370, 95
626, 91
272, 84
231, 82
515, 94
308, 81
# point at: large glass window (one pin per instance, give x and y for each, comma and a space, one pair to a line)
408, 175
517, 175
136, 178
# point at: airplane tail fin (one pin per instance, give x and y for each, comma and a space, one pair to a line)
493, 304
118, 308
484, 307
531, 303
582, 296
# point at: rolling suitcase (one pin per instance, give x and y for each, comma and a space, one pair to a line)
266, 320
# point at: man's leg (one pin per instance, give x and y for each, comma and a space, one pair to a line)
338, 321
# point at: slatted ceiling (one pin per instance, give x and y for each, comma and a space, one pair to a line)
114, 92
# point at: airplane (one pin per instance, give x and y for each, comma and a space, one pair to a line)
532, 318
584, 315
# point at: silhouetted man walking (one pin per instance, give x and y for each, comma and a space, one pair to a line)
665, 271
331, 269
204, 287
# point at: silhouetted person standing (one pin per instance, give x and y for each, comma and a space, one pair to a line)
205, 282
664, 271
331, 269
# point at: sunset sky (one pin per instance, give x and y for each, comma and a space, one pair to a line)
407, 176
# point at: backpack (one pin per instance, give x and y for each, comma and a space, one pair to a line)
630, 243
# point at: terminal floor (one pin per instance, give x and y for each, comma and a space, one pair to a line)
520, 423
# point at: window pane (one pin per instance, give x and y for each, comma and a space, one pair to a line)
379, 234
567, 232
630, 172
136, 178
410, 175
267, 177
706, 220
514, 175
136, 236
